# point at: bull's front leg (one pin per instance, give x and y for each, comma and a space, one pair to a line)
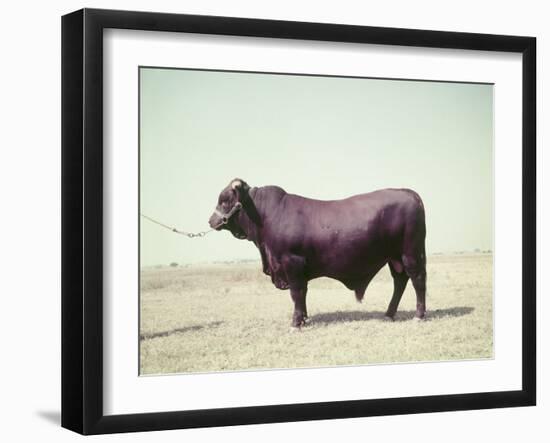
298, 295
294, 269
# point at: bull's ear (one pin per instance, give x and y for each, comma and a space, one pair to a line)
240, 186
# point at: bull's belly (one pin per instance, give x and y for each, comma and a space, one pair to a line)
352, 261
348, 253
352, 273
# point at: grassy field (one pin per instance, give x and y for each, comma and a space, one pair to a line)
220, 317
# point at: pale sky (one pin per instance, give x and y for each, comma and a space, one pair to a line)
319, 137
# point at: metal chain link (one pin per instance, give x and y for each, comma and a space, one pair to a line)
177, 231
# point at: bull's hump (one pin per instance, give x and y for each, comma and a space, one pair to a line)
271, 189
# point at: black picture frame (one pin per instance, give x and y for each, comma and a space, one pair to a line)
82, 219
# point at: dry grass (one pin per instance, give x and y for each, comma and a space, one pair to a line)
229, 317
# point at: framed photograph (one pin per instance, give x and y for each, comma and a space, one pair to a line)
218, 170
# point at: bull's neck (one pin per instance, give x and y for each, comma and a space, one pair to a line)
250, 218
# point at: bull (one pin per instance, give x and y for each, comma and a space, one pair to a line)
349, 240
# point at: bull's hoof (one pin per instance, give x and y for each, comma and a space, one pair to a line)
419, 319
294, 329
388, 317
306, 321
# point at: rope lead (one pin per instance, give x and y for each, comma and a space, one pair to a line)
177, 231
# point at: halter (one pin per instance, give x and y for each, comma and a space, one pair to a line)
227, 216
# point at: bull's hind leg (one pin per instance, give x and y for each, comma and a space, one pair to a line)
415, 267
400, 279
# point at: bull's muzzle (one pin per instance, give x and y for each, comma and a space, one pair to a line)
218, 218
216, 222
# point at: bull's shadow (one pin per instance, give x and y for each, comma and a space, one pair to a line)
148, 336
351, 316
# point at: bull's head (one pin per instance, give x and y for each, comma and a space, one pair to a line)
228, 209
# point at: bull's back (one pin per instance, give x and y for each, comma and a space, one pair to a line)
349, 233
383, 212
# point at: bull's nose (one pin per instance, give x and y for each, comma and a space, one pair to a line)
214, 221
